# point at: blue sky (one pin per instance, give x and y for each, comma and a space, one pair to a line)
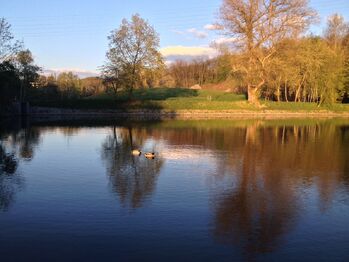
72, 34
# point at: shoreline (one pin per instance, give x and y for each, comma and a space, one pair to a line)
184, 114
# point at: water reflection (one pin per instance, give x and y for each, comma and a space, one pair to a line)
9, 181
132, 178
18, 142
262, 205
263, 172
259, 174
274, 168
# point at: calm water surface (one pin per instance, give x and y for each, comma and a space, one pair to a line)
217, 191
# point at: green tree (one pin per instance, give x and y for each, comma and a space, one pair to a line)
346, 82
91, 86
69, 85
306, 70
9, 84
133, 49
257, 26
336, 34
9, 78
27, 71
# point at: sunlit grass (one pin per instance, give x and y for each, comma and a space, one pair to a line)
185, 99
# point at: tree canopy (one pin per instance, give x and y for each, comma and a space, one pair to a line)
8, 46
257, 27
133, 53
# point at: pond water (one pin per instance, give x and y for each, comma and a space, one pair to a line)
216, 190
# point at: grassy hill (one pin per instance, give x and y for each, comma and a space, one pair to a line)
182, 99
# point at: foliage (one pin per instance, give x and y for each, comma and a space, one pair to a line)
28, 72
133, 59
66, 85
265, 59
257, 26
17, 77
286, 67
17, 69
8, 46
9, 84
305, 70
200, 71
346, 82
69, 84
181, 99
91, 86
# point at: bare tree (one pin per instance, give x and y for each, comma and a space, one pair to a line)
8, 47
336, 31
257, 26
133, 48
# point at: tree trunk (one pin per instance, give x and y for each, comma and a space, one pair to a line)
296, 98
252, 95
278, 93
286, 92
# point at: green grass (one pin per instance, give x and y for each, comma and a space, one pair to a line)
183, 99
155, 94
292, 106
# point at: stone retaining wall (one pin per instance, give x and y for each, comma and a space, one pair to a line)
185, 114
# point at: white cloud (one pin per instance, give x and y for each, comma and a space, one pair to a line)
178, 32
172, 53
193, 32
188, 51
212, 27
197, 33
82, 73
224, 40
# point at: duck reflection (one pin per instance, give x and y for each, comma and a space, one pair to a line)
132, 177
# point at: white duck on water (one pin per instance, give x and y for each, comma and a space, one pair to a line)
136, 152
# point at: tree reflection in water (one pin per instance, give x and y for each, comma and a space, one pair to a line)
15, 145
132, 178
262, 206
269, 167
275, 165
263, 170
9, 180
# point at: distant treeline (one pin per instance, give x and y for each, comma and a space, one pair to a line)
304, 70
263, 60
66, 85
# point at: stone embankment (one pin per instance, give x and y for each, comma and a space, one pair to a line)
185, 114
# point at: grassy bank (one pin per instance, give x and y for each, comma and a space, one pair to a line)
183, 99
